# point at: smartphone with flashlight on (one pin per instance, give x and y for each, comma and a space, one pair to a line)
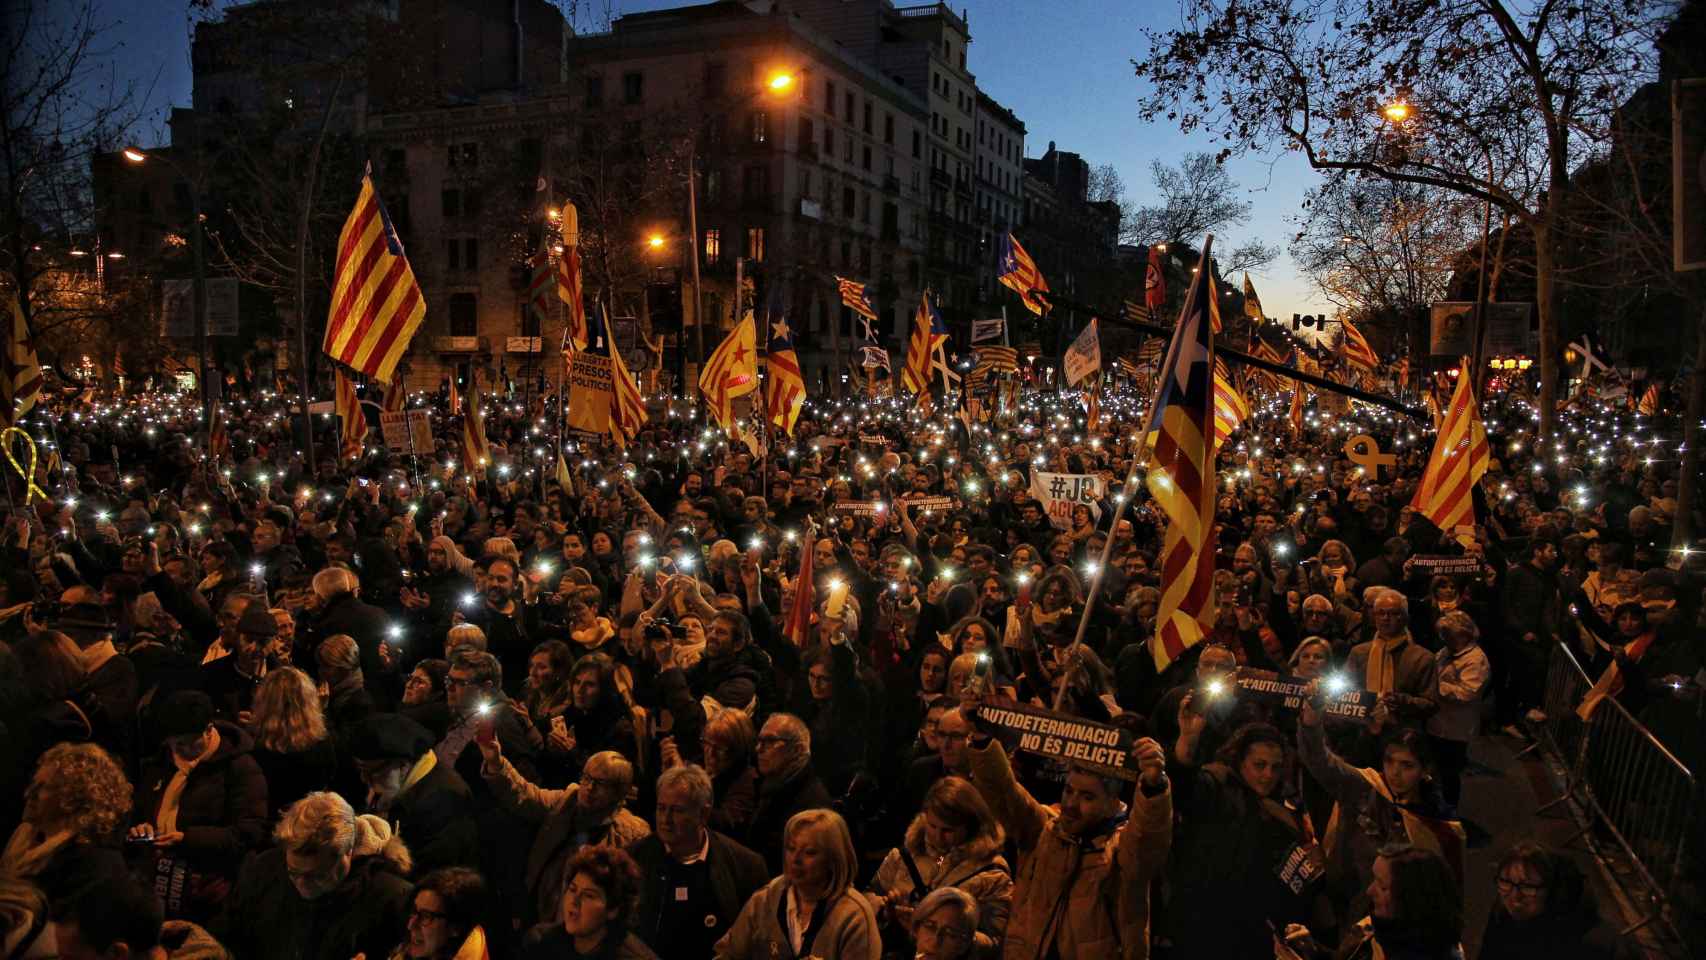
486, 730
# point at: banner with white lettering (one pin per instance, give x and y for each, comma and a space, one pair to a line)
1059, 736
1345, 700
982, 330
1060, 492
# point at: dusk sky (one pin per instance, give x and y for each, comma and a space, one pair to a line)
1063, 66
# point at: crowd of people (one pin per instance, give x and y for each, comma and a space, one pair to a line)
695, 702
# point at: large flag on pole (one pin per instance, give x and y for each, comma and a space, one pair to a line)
1357, 352
784, 385
20, 381
928, 335
856, 298
1460, 458
1154, 281
1018, 272
569, 279
376, 303
476, 453
353, 437
731, 371
1230, 407
1181, 474
1252, 303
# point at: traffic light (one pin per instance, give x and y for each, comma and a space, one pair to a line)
663, 304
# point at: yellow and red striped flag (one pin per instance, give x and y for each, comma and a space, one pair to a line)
1230, 407
1358, 354
928, 333
1252, 303
476, 452
731, 371
569, 280
352, 438
785, 385
1648, 405
376, 304
218, 437
856, 298
1181, 474
20, 380
396, 397
627, 405
1019, 273
1460, 457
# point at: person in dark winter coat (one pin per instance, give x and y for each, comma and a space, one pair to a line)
694, 880
201, 802
1545, 911
601, 888
334, 887
422, 799
341, 611
292, 744
787, 784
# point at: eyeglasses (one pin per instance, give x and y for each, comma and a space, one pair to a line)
1526, 889
591, 782
771, 742
940, 931
455, 682
427, 916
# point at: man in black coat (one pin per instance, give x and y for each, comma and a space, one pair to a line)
341, 611
426, 802
694, 880
787, 784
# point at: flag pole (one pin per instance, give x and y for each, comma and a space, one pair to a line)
1129, 491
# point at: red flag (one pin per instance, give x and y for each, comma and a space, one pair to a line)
1154, 282
798, 626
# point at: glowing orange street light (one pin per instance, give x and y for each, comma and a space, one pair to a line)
1397, 111
655, 241
134, 155
780, 82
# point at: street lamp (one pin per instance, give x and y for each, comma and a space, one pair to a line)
199, 294
779, 83
656, 241
1397, 111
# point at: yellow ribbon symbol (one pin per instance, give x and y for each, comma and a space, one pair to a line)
30, 488
1363, 451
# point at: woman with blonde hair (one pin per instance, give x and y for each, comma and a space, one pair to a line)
75, 808
954, 841
816, 888
291, 743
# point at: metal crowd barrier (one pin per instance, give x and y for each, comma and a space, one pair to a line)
1629, 786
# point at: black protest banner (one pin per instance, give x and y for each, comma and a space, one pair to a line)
1446, 565
1287, 692
861, 508
1060, 736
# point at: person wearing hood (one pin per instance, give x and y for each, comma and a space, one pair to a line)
953, 842
333, 887
1545, 911
421, 798
201, 803
1086, 863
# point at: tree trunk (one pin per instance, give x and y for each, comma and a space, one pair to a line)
1545, 300
1682, 525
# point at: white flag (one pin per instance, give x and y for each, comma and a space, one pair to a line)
982, 330
1084, 357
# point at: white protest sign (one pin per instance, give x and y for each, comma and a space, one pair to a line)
406, 431
1084, 357
1060, 492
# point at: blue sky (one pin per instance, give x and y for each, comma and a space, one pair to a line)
1064, 66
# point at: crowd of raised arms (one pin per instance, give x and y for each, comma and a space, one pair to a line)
699, 703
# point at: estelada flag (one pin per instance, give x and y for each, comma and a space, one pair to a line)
731, 371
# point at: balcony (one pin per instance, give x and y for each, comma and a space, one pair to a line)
891, 184
962, 186
940, 177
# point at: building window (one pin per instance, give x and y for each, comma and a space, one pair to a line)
757, 183
867, 158
397, 208
917, 145
807, 135
464, 155
450, 203
633, 87
847, 107
847, 202
755, 244
867, 116
462, 253
888, 129
829, 97
713, 180
828, 142
713, 246
760, 126
464, 315
594, 91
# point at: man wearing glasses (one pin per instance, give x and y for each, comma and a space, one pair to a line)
587, 813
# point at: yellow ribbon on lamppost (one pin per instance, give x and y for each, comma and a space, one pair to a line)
30, 488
